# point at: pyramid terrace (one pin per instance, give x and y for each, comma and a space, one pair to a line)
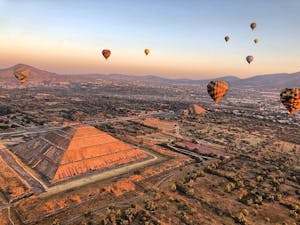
73, 152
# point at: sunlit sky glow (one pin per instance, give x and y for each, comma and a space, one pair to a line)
186, 38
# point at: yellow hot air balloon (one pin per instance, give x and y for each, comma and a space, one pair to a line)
21, 74
253, 26
249, 58
227, 38
217, 89
256, 40
147, 51
106, 53
290, 98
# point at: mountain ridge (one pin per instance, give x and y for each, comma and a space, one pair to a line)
278, 80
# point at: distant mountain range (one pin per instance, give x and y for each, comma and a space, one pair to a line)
280, 80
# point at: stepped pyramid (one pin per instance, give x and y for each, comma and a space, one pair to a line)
193, 109
75, 151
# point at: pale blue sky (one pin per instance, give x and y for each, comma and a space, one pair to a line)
186, 38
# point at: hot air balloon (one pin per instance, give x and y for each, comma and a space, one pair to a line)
227, 38
249, 58
256, 40
217, 89
147, 51
106, 53
253, 26
21, 74
290, 98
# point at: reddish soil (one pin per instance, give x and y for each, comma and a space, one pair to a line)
201, 149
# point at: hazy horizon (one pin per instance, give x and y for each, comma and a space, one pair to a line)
186, 39
141, 75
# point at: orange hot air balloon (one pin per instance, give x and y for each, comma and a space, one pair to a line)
249, 58
227, 38
21, 74
147, 51
106, 53
253, 26
217, 89
290, 98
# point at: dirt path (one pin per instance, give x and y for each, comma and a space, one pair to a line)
9, 216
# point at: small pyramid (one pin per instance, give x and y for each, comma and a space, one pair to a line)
75, 151
195, 109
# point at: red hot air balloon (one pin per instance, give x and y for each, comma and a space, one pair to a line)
106, 53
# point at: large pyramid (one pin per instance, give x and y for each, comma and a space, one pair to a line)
74, 151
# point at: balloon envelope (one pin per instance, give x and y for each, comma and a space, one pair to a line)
256, 40
249, 58
217, 89
290, 98
106, 53
227, 38
147, 51
21, 74
253, 26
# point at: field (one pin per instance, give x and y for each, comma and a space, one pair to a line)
227, 166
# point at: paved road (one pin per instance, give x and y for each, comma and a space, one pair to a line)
189, 153
162, 114
35, 130
26, 131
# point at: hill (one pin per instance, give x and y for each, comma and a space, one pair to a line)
37, 76
280, 80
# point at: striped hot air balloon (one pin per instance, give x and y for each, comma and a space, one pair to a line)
290, 98
217, 89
